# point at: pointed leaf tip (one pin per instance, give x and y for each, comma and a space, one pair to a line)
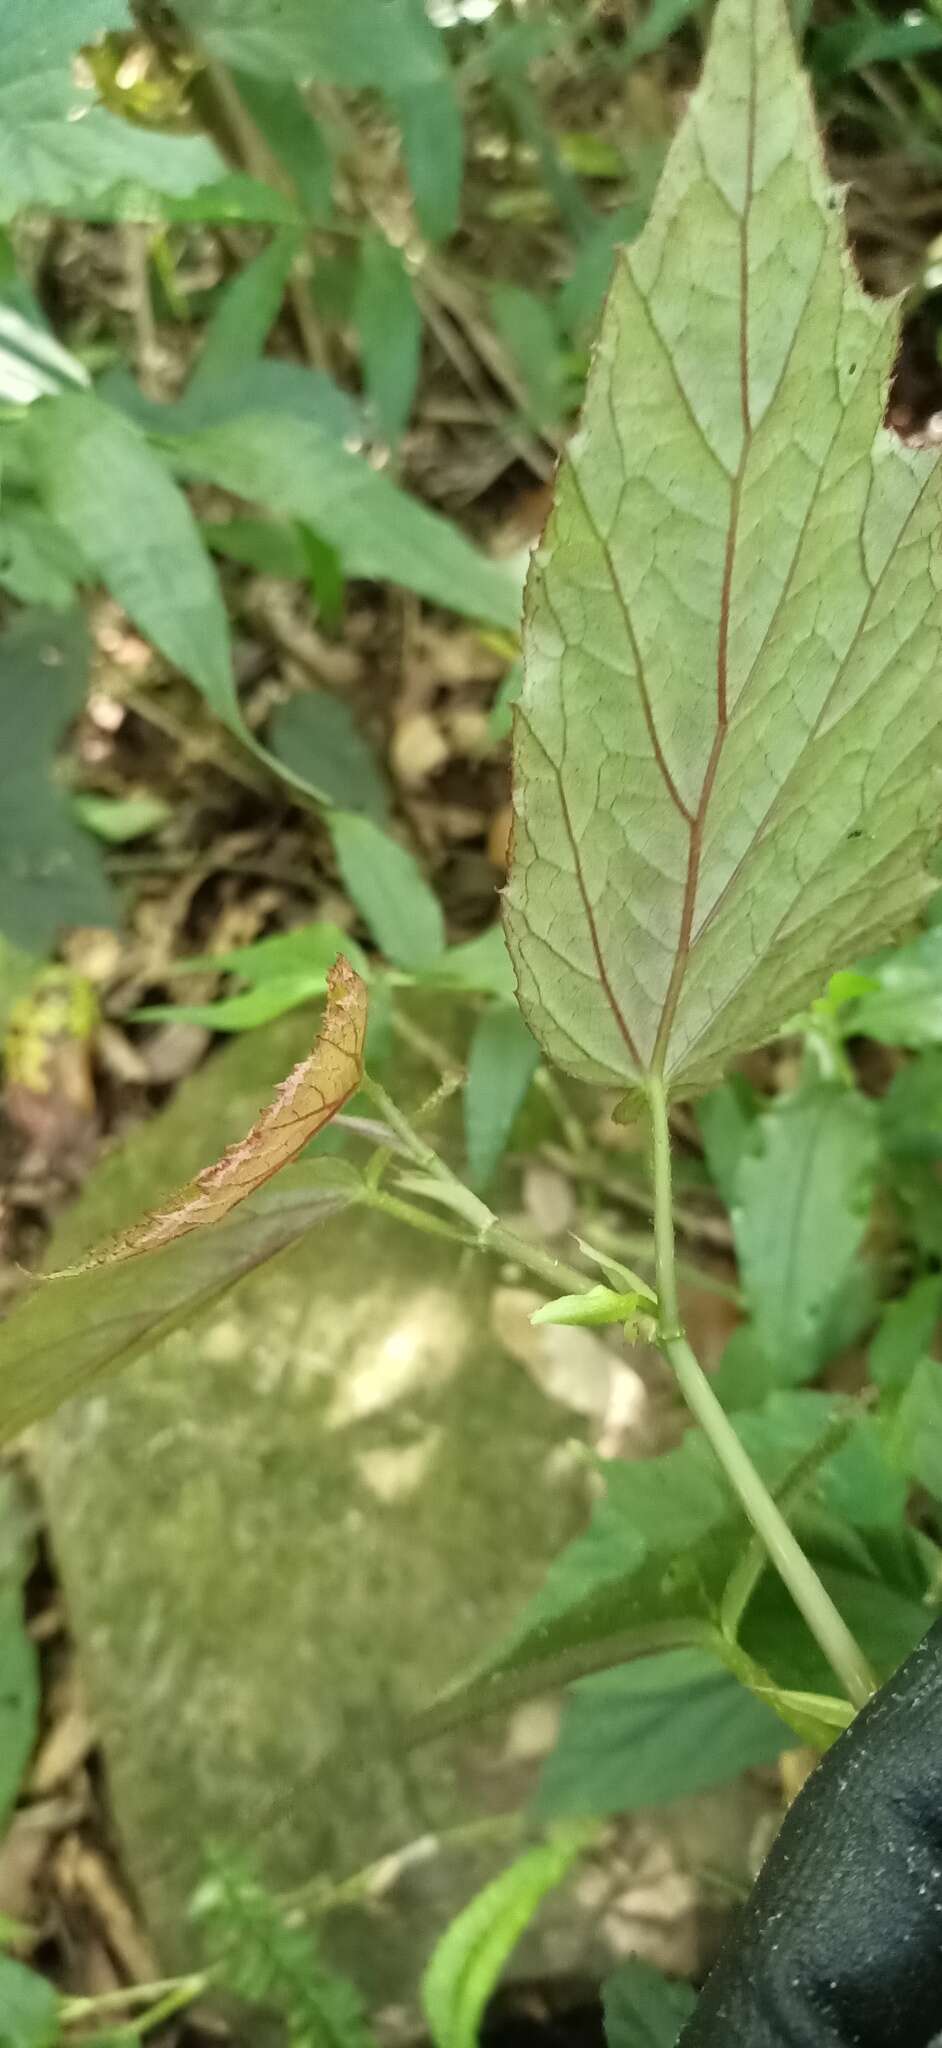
311, 1095
729, 738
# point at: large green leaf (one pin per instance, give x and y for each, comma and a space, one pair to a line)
651, 1566
299, 471
102, 483
654, 1730
729, 735
800, 1209
57, 148
50, 870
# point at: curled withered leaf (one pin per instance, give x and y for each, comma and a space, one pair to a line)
313, 1093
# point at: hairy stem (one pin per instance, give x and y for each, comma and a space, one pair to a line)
487, 1233
810, 1596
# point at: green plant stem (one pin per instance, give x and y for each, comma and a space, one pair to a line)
810, 1596
487, 1232
409, 1212
74, 2012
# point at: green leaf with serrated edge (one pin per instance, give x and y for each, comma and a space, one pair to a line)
642, 2008
389, 326
94, 472
802, 1199
299, 471
389, 891
247, 309
728, 743
468, 1960
71, 1330
265, 1954
502, 1061
651, 1566
661, 1728
51, 874
29, 2008
906, 1332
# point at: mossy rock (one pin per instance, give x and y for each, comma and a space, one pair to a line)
291, 1525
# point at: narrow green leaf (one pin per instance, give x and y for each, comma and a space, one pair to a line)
916, 1435
717, 801
473, 1950
247, 309
279, 109
853, 44
96, 473
29, 2008
800, 1210
118, 819
318, 738
906, 1332
274, 998
389, 891
308, 951
299, 472
644, 2009
503, 1059
429, 117
19, 1665
389, 326
661, 1728
532, 339
50, 870
32, 362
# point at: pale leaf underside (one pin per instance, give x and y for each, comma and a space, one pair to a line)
312, 1094
728, 745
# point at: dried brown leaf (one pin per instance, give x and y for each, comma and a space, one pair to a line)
312, 1094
